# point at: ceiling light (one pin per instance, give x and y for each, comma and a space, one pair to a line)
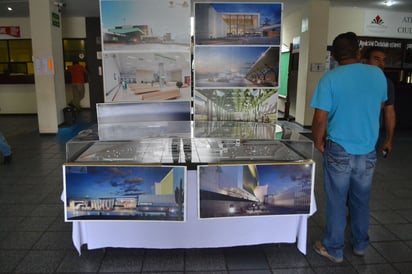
389, 3
9, 8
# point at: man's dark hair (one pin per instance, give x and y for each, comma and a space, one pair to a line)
345, 46
368, 52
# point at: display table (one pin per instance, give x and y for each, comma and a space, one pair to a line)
194, 233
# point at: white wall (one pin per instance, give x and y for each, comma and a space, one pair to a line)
353, 19
340, 20
21, 98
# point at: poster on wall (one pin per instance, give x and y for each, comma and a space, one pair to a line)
124, 193
146, 50
236, 61
227, 191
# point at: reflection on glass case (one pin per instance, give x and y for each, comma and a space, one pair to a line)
212, 142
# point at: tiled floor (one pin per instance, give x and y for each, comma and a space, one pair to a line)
35, 239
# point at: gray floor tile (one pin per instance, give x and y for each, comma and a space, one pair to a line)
305, 270
34, 224
89, 261
378, 233
407, 214
376, 269
117, 260
60, 225
205, 260
408, 243
388, 217
285, 255
10, 223
372, 256
164, 260
46, 210
170, 272
246, 258
402, 231
9, 259
248, 271
20, 240
394, 252
15, 210
40, 261
52, 240
404, 268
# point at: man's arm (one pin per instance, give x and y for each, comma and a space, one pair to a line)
390, 122
319, 129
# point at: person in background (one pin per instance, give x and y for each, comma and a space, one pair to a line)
78, 78
345, 128
376, 56
5, 150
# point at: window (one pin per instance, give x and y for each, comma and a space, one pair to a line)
73, 50
16, 65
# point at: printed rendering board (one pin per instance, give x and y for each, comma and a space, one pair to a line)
246, 105
145, 25
147, 76
237, 66
124, 193
255, 189
146, 50
238, 23
136, 120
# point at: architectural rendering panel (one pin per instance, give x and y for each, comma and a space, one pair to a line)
236, 67
114, 192
238, 23
243, 105
145, 25
147, 76
255, 189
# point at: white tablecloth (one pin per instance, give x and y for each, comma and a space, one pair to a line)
194, 232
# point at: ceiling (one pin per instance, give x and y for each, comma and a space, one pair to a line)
90, 8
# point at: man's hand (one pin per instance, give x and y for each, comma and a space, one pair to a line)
319, 129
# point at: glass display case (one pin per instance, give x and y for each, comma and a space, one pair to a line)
162, 133
206, 142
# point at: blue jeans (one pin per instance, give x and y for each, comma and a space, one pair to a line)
347, 178
4, 146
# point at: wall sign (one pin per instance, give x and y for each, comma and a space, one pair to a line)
388, 24
9, 32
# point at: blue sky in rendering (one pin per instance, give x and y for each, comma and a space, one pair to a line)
278, 177
158, 15
115, 181
283, 177
270, 12
226, 59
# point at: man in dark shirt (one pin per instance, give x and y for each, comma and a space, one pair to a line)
376, 56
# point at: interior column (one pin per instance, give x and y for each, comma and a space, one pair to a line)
313, 43
45, 22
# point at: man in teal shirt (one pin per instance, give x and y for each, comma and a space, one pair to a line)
347, 102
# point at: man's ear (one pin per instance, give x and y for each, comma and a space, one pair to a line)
358, 55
